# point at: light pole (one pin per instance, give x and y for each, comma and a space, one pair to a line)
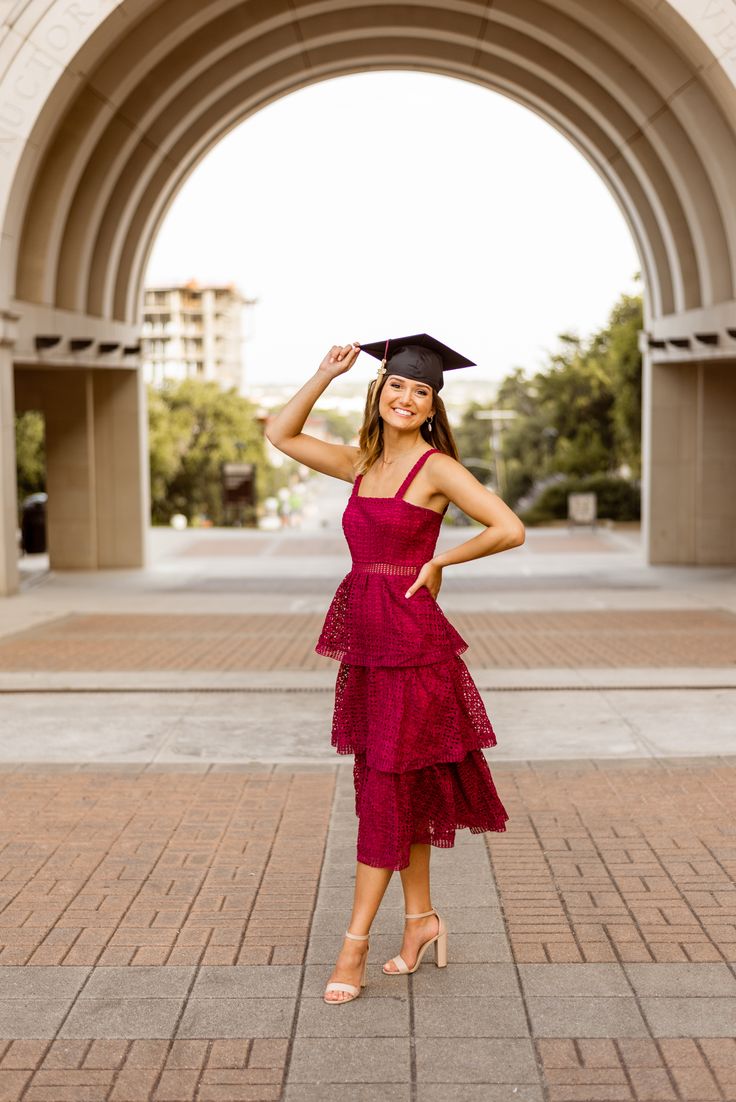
497, 417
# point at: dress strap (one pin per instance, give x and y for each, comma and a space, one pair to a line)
405, 484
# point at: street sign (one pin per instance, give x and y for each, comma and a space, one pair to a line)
582, 508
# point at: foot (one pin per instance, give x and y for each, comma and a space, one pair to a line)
348, 969
416, 932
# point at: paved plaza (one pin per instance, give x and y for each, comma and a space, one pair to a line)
178, 835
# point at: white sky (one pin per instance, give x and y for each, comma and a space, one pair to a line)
384, 204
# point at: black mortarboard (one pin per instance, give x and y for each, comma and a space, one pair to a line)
419, 357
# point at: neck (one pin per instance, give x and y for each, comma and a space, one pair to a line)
396, 445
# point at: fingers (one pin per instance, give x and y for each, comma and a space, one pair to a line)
417, 585
339, 352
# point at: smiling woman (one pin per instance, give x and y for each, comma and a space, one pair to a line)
406, 706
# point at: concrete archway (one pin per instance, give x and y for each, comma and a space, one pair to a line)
106, 108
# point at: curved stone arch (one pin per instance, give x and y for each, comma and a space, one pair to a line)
78, 274
158, 197
585, 134
644, 100
681, 81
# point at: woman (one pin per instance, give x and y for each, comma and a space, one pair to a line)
405, 703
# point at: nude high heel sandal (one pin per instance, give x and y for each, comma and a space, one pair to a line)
351, 988
440, 949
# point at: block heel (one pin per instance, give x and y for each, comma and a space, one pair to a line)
440, 949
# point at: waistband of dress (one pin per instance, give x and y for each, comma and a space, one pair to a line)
386, 567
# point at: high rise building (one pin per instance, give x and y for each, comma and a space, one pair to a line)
193, 331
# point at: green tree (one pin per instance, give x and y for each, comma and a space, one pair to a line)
194, 428
580, 415
623, 359
30, 453
576, 400
526, 440
340, 424
472, 436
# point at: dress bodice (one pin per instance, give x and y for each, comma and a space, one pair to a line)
391, 529
370, 621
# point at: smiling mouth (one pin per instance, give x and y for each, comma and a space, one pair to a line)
403, 412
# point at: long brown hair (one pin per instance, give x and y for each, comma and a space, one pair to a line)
370, 437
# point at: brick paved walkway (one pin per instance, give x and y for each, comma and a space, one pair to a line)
159, 868
167, 936
604, 638
633, 862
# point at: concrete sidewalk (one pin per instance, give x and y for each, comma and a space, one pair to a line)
178, 838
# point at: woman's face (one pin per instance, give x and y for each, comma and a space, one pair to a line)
405, 403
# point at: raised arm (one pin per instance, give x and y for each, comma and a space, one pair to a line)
284, 430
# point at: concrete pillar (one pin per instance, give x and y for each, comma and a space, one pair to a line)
97, 463
715, 535
690, 462
122, 483
8, 492
68, 406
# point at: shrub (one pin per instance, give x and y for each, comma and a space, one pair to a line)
618, 499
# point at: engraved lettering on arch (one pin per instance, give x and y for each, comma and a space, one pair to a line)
720, 15
36, 71
27, 84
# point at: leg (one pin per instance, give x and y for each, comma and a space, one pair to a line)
370, 886
417, 898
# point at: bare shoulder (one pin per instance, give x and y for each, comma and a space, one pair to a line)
450, 477
440, 459
442, 466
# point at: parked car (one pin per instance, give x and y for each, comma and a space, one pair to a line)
33, 524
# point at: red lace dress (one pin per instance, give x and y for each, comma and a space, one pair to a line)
405, 703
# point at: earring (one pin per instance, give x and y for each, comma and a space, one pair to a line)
429, 423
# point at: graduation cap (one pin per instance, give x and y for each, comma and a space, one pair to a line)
419, 357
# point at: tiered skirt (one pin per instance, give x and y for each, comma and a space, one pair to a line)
417, 734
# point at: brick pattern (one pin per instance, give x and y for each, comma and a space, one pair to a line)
610, 863
139, 1071
603, 860
671, 1069
584, 1070
160, 868
518, 640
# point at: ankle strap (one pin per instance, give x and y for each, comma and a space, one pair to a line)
356, 937
422, 915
